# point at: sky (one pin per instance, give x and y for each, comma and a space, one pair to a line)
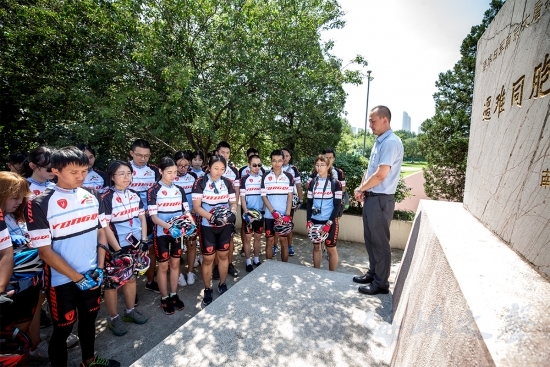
407, 43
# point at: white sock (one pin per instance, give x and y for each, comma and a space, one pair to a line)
248, 262
256, 259
112, 318
129, 310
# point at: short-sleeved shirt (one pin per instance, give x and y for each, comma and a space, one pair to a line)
293, 172
166, 202
186, 183
5, 239
387, 151
198, 172
143, 178
321, 191
122, 211
38, 188
96, 180
336, 173
68, 221
251, 189
232, 175
276, 189
208, 196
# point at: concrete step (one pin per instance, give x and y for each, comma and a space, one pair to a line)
283, 314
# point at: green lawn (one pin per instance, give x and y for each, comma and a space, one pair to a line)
408, 169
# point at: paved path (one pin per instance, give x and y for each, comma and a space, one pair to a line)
140, 339
416, 183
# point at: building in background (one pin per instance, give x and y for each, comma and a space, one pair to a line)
406, 121
420, 130
354, 130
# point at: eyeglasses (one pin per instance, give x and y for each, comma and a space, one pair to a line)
142, 156
255, 165
123, 174
320, 165
183, 165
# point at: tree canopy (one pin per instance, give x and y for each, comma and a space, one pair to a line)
444, 142
183, 75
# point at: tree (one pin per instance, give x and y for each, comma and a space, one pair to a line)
444, 142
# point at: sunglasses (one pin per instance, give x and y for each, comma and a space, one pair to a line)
255, 165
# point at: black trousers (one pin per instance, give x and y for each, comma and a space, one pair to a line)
377, 216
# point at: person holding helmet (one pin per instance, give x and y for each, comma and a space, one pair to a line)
277, 189
127, 226
324, 196
252, 205
215, 201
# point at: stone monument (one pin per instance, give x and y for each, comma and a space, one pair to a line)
473, 286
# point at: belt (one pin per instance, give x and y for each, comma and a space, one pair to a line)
370, 193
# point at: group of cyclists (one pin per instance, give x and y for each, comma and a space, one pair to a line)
72, 234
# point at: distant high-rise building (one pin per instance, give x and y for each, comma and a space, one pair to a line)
354, 130
406, 121
420, 130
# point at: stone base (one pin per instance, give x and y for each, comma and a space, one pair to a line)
283, 314
464, 298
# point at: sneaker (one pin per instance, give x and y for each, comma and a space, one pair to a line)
257, 264
136, 301
215, 273
222, 288
135, 316
275, 251
196, 261
177, 303
231, 270
249, 268
44, 320
72, 340
191, 277
167, 306
117, 326
103, 362
153, 286
290, 250
207, 299
40, 353
181, 281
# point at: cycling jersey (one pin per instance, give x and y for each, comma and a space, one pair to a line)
16, 228
336, 173
324, 197
66, 220
198, 172
5, 239
293, 172
206, 193
96, 180
232, 175
122, 209
246, 171
276, 189
186, 183
251, 189
38, 187
166, 201
143, 178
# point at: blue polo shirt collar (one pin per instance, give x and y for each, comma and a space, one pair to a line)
383, 137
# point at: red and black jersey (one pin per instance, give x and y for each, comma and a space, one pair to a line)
122, 211
5, 239
166, 201
67, 220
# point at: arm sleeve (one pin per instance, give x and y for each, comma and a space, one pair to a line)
309, 204
5, 239
230, 190
197, 189
264, 190
242, 186
152, 200
37, 223
184, 203
337, 201
106, 199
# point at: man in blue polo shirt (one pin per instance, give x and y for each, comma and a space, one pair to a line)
377, 194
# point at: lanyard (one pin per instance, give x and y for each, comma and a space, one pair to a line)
324, 188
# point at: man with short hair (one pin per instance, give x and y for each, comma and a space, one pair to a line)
66, 224
293, 171
144, 176
376, 192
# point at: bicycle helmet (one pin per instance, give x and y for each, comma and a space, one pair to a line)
316, 234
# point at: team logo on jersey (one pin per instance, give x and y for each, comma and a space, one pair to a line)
148, 173
62, 203
133, 173
118, 199
222, 187
87, 199
69, 316
270, 178
36, 192
94, 178
177, 178
251, 180
164, 192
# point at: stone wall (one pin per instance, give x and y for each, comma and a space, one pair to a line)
509, 149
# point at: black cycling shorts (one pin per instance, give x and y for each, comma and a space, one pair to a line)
23, 307
332, 234
214, 239
256, 226
166, 247
65, 299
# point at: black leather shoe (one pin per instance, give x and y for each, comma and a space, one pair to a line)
363, 279
371, 289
